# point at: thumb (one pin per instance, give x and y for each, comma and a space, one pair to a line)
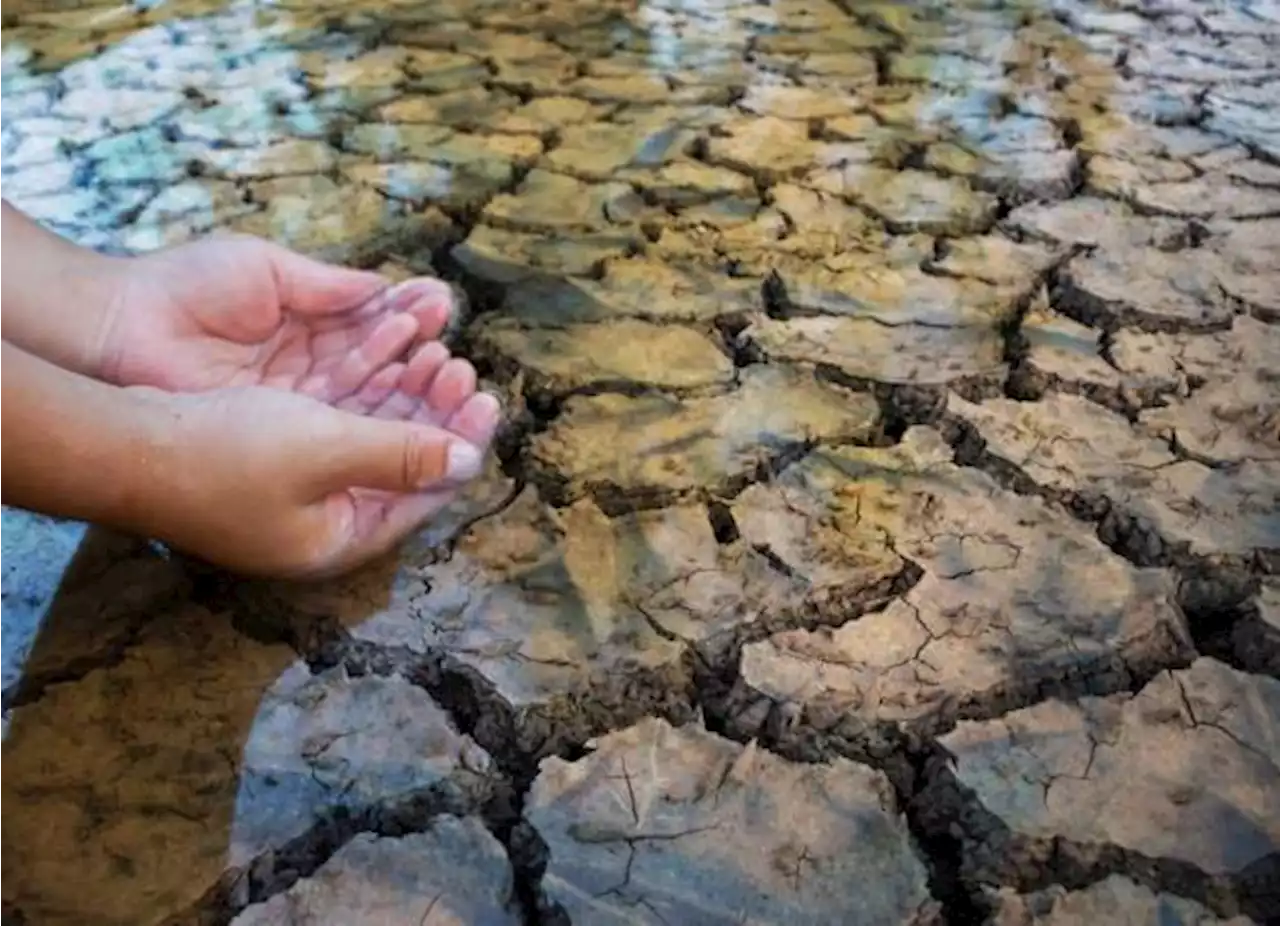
397, 456
311, 287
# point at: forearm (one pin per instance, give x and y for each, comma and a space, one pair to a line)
57, 295
77, 448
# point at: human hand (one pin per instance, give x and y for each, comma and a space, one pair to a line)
233, 310
265, 482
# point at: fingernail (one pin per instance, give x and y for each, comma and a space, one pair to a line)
465, 461
410, 292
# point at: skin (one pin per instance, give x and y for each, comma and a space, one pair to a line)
263, 411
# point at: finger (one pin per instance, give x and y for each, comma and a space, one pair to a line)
408, 400
398, 407
477, 420
373, 393
424, 366
288, 360
311, 287
396, 456
387, 342
453, 385
339, 335
382, 523
371, 309
428, 300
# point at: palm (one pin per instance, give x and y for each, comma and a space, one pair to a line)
374, 516
430, 389
238, 312
324, 358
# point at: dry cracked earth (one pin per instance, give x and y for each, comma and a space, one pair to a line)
885, 529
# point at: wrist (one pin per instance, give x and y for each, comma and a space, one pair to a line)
92, 291
178, 484
147, 462
175, 479
60, 299
81, 449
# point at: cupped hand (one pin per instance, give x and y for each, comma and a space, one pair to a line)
234, 310
267, 482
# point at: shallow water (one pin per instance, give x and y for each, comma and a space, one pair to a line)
869, 369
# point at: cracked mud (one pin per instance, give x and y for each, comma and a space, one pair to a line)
886, 524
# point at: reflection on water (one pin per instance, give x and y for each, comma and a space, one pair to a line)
35, 553
689, 37
988, 198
